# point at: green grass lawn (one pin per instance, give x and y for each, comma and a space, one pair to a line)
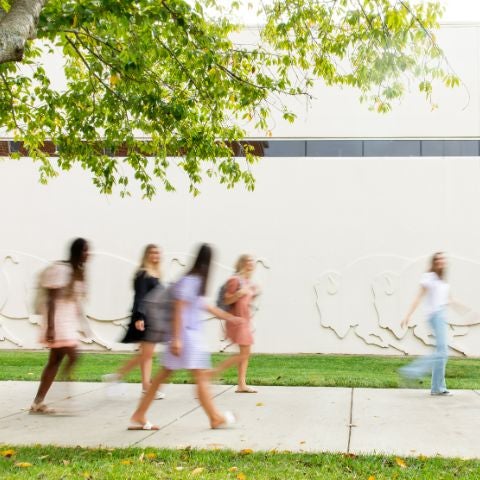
134, 463
280, 370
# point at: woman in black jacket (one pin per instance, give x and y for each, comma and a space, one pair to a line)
147, 277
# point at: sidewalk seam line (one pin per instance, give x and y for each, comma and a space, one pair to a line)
178, 418
350, 421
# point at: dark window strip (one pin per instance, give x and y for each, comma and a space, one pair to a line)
314, 148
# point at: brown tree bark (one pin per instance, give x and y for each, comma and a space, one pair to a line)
17, 26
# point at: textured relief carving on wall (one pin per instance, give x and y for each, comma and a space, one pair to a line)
108, 306
372, 295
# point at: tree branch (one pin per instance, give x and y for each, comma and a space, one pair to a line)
17, 26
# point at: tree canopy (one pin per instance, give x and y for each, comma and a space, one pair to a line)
152, 84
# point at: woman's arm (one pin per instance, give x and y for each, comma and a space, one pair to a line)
51, 299
414, 306
176, 342
222, 314
233, 293
141, 289
458, 306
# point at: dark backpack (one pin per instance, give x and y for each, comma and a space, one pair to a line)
221, 295
157, 307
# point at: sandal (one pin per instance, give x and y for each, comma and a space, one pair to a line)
158, 395
41, 409
229, 419
143, 426
246, 390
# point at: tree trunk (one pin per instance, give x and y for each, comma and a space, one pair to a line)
17, 26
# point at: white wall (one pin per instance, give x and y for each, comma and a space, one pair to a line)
337, 112
345, 241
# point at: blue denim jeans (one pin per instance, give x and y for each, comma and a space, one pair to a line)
437, 361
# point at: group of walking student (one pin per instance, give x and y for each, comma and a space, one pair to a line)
64, 286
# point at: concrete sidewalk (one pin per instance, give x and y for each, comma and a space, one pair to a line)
303, 419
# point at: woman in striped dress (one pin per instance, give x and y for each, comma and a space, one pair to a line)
64, 283
188, 347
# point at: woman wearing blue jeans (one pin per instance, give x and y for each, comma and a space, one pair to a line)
436, 293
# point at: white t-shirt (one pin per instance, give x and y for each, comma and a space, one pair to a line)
438, 292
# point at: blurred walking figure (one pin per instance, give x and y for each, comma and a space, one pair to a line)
64, 287
238, 296
188, 348
147, 277
436, 293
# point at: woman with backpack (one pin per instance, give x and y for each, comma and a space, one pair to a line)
188, 348
64, 284
238, 296
147, 277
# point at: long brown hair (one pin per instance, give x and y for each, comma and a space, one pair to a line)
77, 261
145, 266
201, 266
440, 273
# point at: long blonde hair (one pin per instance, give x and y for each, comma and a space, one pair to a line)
242, 260
145, 266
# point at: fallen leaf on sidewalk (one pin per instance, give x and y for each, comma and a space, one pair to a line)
303, 442
400, 462
259, 404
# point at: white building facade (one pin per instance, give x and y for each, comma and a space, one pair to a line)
348, 207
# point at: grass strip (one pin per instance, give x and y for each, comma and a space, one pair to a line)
49, 462
275, 370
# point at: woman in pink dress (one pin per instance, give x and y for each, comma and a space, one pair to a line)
188, 346
64, 283
239, 293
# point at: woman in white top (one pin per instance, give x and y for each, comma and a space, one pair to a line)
436, 293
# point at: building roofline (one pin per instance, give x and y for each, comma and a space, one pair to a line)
446, 24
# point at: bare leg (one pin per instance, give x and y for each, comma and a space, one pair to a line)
49, 373
132, 363
242, 366
225, 365
139, 415
147, 350
72, 358
205, 398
